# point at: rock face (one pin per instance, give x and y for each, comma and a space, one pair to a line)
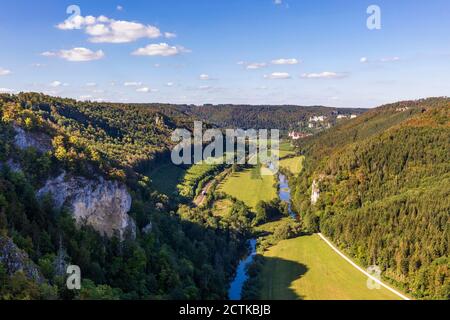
37, 140
14, 260
315, 193
102, 204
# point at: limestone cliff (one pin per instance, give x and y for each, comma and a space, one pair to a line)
315, 192
24, 139
15, 260
102, 204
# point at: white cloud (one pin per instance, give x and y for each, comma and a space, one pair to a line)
169, 84
91, 84
285, 61
119, 8
55, 84
204, 77
390, 59
162, 49
146, 90
205, 87
132, 84
76, 54
105, 30
278, 2
382, 60
6, 90
324, 75
170, 35
85, 97
278, 75
256, 65
4, 72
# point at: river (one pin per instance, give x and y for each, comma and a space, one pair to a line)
235, 291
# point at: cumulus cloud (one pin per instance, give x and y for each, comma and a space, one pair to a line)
169, 84
85, 97
256, 65
170, 35
146, 90
278, 2
105, 30
119, 8
6, 90
324, 75
204, 77
382, 60
132, 84
56, 84
278, 75
390, 59
4, 72
76, 54
162, 49
285, 61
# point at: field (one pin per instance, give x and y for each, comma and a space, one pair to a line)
249, 187
170, 179
307, 268
294, 165
286, 149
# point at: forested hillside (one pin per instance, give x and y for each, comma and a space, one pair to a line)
168, 254
381, 191
261, 117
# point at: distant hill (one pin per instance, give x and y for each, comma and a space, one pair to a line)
381, 186
262, 117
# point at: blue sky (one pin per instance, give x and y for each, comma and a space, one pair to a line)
227, 51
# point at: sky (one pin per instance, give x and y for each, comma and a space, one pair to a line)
227, 51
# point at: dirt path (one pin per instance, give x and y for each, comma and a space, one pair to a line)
200, 199
361, 270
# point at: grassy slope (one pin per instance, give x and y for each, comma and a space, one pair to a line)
166, 178
243, 186
306, 268
294, 165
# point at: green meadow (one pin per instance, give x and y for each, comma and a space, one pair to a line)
307, 268
249, 186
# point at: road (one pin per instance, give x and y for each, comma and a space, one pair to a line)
361, 270
200, 199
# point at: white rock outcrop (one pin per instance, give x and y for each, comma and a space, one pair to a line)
24, 139
102, 204
315, 193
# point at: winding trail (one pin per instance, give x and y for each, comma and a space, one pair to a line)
362, 270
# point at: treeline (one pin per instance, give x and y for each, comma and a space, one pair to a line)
260, 117
383, 184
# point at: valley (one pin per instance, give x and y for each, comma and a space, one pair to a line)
376, 186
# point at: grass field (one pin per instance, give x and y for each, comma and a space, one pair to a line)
286, 149
245, 186
294, 165
307, 268
170, 179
